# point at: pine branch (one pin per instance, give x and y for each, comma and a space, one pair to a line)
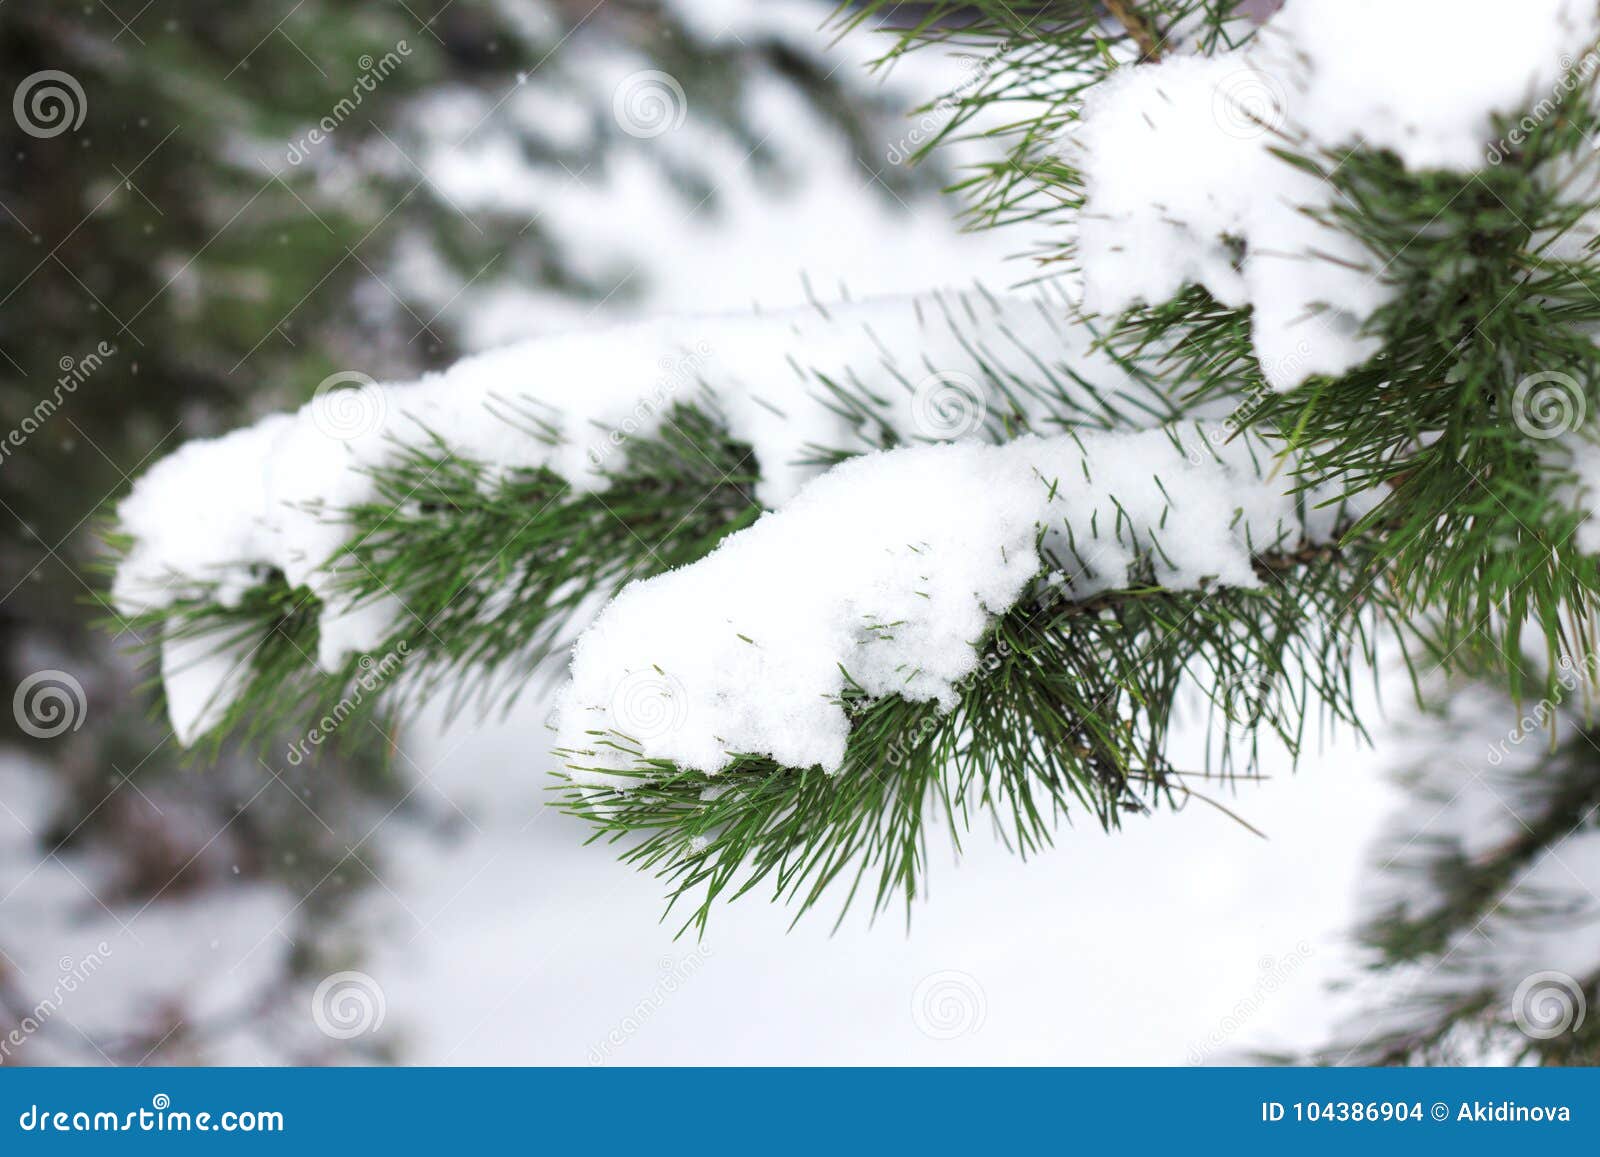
1398, 471
1472, 418
489, 575
1072, 712
476, 573
1068, 707
1030, 66
1139, 27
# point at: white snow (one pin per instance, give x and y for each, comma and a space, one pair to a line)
631, 214
1182, 188
202, 674
82, 968
544, 944
223, 512
891, 568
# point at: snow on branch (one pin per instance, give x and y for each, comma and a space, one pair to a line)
217, 519
1186, 184
884, 576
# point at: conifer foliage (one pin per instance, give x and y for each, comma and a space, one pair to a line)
1307, 361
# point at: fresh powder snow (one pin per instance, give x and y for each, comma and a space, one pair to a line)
892, 568
215, 518
1183, 187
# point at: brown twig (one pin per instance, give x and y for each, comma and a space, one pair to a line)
1138, 26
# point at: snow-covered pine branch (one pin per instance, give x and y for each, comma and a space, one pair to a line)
468, 515
941, 628
1185, 180
1378, 220
885, 576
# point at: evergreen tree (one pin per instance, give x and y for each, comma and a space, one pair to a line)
1307, 368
